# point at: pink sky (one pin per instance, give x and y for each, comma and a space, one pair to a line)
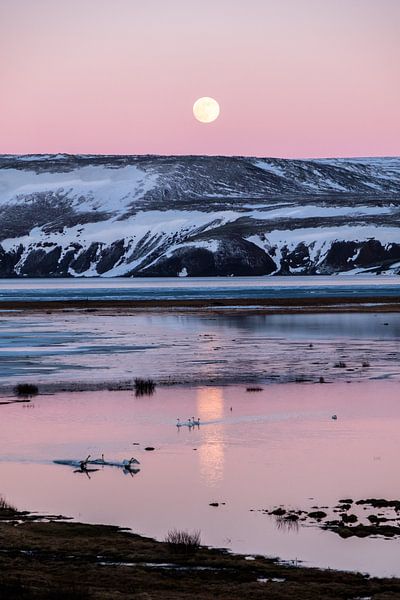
293, 77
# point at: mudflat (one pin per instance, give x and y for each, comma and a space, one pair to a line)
50, 559
264, 305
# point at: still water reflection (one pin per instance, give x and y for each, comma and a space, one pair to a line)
211, 407
193, 348
278, 446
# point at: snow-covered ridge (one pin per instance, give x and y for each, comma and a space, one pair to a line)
90, 215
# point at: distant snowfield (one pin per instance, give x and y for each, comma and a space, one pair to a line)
106, 189
154, 215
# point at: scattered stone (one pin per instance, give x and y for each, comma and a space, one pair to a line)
382, 524
349, 518
214, 504
317, 514
149, 448
278, 512
373, 519
362, 531
381, 503
291, 517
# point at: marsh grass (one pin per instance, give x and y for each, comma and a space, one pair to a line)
183, 541
4, 505
283, 523
144, 387
26, 389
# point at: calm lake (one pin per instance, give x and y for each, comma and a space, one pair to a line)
171, 288
278, 446
198, 347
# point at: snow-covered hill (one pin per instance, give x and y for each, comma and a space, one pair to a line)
95, 215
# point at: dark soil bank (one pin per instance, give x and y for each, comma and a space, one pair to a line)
63, 560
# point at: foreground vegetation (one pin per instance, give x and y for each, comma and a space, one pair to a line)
64, 560
26, 390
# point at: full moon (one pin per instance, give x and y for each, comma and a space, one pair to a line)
206, 109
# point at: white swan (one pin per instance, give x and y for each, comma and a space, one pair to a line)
191, 422
98, 461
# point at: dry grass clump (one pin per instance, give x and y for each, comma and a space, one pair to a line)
4, 505
26, 389
183, 541
144, 387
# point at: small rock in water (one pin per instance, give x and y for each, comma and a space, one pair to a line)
349, 518
317, 514
149, 448
373, 519
278, 512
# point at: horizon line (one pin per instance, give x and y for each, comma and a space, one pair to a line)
153, 155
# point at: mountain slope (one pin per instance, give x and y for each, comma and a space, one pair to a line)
63, 215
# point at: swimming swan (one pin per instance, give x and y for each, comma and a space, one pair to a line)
129, 464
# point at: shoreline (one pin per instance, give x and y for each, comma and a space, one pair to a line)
258, 305
7, 395
50, 557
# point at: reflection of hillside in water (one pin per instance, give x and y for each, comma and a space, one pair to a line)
199, 347
210, 407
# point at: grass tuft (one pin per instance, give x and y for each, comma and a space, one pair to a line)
144, 387
183, 541
26, 389
4, 505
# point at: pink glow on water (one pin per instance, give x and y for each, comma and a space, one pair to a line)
293, 77
278, 446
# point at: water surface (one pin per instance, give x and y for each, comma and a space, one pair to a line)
175, 288
198, 347
279, 446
